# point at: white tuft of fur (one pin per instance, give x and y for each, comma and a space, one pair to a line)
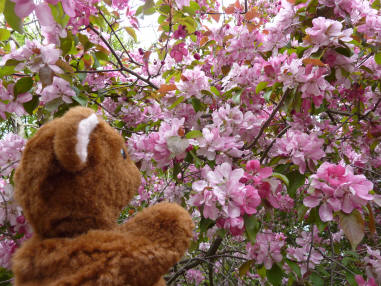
85, 127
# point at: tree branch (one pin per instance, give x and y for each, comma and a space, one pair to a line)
197, 260
117, 37
268, 121
122, 67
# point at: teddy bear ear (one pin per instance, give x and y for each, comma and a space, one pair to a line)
72, 138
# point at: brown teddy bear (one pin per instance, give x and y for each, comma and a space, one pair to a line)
74, 178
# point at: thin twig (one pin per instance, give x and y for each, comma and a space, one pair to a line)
198, 260
335, 261
281, 133
312, 245
117, 37
98, 71
332, 251
267, 122
122, 67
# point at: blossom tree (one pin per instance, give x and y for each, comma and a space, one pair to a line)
261, 118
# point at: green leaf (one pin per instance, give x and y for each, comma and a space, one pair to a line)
2, 4
192, 8
261, 86
189, 23
252, 226
81, 99
85, 41
6, 70
205, 224
177, 102
132, 33
296, 180
196, 103
281, 177
244, 268
10, 16
262, 272
193, 134
351, 279
66, 43
237, 98
215, 90
148, 7
353, 227
5, 276
59, 14
176, 170
22, 85
294, 266
377, 58
101, 56
376, 4
274, 275
4, 34
316, 280
30, 106
345, 51
267, 95
53, 104
165, 9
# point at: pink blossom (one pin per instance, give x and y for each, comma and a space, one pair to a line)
44, 15
212, 142
336, 188
7, 248
301, 254
301, 147
195, 276
373, 265
372, 26
193, 82
60, 88
11, 147
255, 173
234, 225
267, 248
23, 7
178, 52
251, 200
15, 104
361, 282
227, 188
327, 31
181, 32
222, 196
181, 3
205, 197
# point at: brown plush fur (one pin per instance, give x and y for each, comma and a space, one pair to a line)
73, 207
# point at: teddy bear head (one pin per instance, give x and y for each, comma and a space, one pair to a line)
75, 175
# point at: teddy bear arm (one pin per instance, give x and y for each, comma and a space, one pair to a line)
165, 224
146, 265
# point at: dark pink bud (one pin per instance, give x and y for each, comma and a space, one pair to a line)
197, 56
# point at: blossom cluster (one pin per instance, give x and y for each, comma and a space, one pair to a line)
337, 188
12, 219
11, 147
267, 248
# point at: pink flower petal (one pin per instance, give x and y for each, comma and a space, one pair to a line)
24, 7
69, 7
325, 212
311, 201
44, 15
